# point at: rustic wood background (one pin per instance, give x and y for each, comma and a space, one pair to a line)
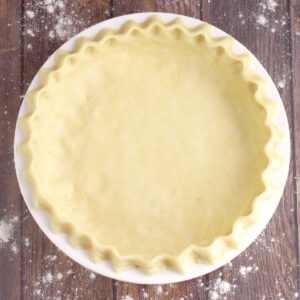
26, 41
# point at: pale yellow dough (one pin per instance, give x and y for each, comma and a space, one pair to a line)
149, 143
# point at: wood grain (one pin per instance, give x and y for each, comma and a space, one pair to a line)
295, 44
10, 91
24, 46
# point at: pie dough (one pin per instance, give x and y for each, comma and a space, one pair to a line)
149, 144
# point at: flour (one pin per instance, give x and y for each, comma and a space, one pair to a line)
127, 297
50, 258
14, 248
26, 242
6, 231
51, 34
262, 16
64, 22
92, 276
219, 289
48, 278
271, 5
245, 270
281, 83
30, 14
261, 20
159, 289
30, 32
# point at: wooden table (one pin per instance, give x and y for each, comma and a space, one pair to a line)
31, 267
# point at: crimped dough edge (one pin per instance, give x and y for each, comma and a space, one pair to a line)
193, 254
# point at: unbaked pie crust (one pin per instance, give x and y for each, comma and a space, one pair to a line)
152, 146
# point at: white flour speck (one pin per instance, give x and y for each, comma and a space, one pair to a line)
268, 5
92, 276
281, 83
51, 257
26, 242
6, 229
60, 4
48, 278
220, 288
261, 20
30, 14
59, 276
271, 4
30, 32
213, 295
127, 297
51, 34
14, 248
159, 289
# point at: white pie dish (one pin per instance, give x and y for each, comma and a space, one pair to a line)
135, 276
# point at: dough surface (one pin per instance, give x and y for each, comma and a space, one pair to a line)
149, 143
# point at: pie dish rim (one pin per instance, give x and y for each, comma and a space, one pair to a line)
180, 268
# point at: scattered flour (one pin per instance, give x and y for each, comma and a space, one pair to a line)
30, 14
26, 242
59, 276
159, 289
127, 297
271, 5
261, 20
50, 258
51, 34
219, 289
63, 27
92, 276
30, 32
6, 231
245, 270
281, 83
14, 248
48, 278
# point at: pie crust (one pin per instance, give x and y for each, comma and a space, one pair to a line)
152, 146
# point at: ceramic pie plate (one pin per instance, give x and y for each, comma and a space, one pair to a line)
135, 276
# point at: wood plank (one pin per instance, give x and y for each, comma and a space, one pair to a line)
295, 40
47, 273
10, 90
265, 30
